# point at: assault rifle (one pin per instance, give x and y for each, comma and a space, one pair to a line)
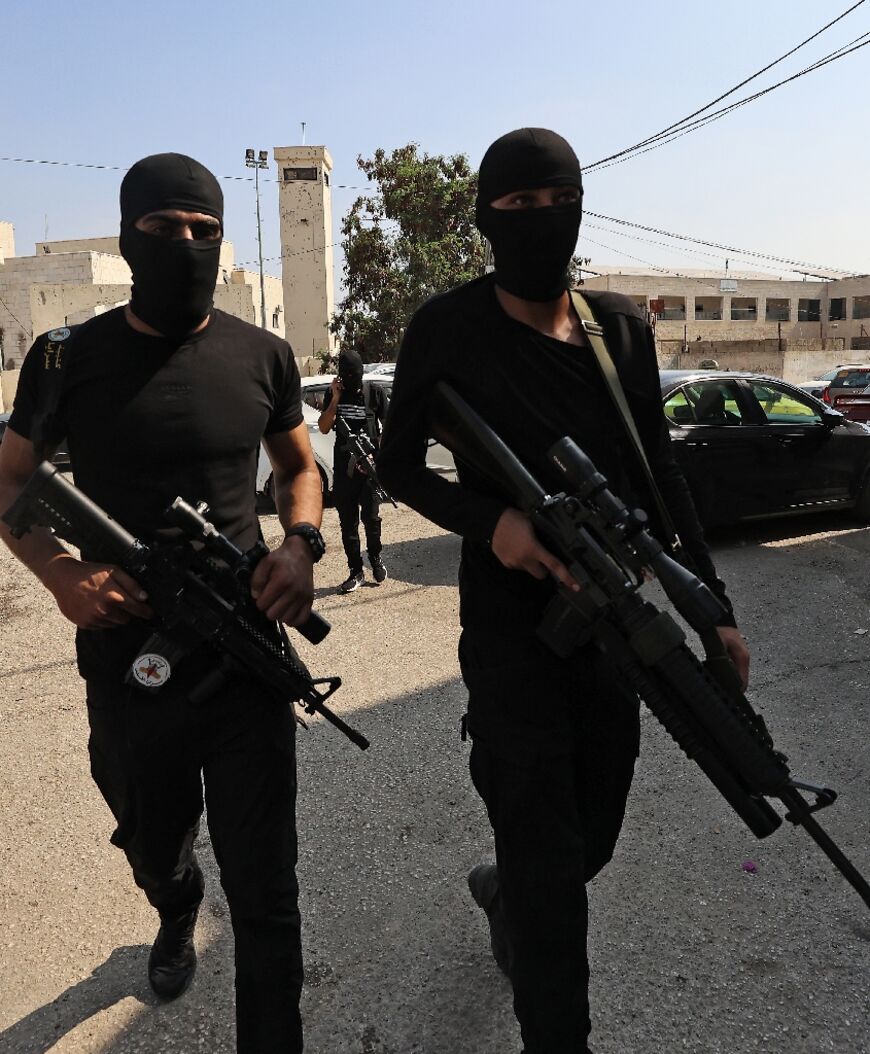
199, 590
362, 457
607, 550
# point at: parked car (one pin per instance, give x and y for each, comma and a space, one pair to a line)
817, 387
752, 446
847, 382
314, 391
60, 458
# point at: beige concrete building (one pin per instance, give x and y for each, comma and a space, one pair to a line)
792, 329
305, 212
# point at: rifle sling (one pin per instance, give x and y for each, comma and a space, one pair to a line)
595, 334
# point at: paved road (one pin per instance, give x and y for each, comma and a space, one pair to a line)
689, 952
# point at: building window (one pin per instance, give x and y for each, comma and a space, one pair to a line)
276, 318
777, 309
673, 308
744, 309
809, 310
293, 174
837, 309
708, 308
326, 178
861, 307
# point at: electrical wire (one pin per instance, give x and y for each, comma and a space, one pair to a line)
811, 268
719, 114
637, 147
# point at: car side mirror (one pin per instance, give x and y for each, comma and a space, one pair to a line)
832, 418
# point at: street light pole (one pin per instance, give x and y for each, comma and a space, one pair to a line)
256, 163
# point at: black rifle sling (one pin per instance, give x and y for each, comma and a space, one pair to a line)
595, 334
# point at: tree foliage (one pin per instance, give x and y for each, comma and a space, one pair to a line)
413, 238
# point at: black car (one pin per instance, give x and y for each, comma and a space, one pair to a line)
753, 446
60, 459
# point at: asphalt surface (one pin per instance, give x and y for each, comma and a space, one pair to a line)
689, 951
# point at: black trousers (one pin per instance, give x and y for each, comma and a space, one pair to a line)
153, 757
355, 499
554, 747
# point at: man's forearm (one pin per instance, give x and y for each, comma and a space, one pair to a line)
298, 497
39, 548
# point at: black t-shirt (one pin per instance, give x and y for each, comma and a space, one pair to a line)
147, 421
533, 390
362, 412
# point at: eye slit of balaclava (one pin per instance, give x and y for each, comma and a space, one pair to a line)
173, 279
532, 247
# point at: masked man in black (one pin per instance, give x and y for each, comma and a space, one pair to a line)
352, 408
554, 774
164, 397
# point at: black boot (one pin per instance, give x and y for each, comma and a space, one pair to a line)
483, 883
172, 962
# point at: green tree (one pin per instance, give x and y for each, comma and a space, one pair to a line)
413, 238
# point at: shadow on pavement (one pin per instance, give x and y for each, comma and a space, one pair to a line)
424, 561
122, 975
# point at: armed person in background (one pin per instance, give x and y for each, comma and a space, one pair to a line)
554, 778
168, 397
362, 409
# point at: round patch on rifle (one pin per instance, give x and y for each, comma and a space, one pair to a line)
151, 671
59, 334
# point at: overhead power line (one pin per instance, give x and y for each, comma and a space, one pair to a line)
123, 168
678, 128
814, 268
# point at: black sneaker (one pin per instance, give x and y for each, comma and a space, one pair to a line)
483, 883
379, 571
352, 582
172, 962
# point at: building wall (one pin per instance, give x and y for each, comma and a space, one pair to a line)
831, 332
57, 305
274, 290
794, 361
305, 212
7, 241
8, 387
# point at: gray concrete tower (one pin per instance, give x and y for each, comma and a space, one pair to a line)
305, 210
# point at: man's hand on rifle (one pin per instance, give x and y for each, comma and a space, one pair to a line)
516, 545
738, 653
283, 582
94, 595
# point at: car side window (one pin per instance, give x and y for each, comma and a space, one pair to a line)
678, 409
784, 406
314, 396
714, 402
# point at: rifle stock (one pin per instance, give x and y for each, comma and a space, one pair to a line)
607, 548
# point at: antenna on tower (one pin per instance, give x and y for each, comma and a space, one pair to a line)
303, 133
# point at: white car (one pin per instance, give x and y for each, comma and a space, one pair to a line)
314, 391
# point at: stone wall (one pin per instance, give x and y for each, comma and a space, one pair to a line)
8, 387
792, 360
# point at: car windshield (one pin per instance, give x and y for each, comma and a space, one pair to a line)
851, 379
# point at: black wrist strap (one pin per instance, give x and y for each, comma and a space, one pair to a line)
595, 334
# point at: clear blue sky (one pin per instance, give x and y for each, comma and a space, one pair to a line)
108, 82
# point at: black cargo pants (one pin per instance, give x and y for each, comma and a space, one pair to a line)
554, 747
355, 499
152, 757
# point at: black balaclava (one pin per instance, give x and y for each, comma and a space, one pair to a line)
173, 279
350, 370
532, 247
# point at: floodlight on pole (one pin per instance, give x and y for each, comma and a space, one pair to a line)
256, 162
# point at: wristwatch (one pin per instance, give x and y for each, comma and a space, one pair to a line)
311, 535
